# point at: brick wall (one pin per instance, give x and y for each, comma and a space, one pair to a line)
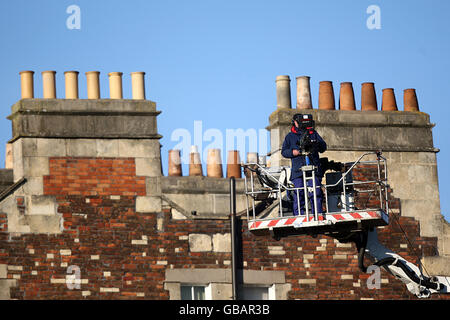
121, 254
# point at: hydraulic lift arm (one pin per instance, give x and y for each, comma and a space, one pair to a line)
416, 282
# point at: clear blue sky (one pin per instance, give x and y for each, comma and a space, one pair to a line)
216, 61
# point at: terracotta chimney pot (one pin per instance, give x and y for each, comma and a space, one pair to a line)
234, 164
389, 103
214, 164
368, 97
175, 163
410, 102
326, 95
347, 97
304, 93
195, 163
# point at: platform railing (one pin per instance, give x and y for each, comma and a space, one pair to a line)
273, 187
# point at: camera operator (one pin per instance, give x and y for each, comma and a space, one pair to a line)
302, 145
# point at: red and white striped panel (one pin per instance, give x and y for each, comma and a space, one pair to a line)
291, 221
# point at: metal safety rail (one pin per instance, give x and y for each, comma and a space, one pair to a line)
272, 184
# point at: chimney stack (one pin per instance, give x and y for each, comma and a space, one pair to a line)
71, 78
368, 97
234, 164
195, 163
115, 85
388, 103
138, 85
214, 164
27, 84
175, 163
283, 85
303, 93
347, 97
326, 95
49, 84
93, 84
410, 102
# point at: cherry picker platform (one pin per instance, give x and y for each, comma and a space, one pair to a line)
356, 204
341, 213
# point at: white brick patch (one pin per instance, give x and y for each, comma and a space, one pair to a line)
307, 281
109, 290
68, 280
139, 242
276, 250
15, 268
339, 256
200, 242
221, 242
343, 245
95, 257
58, 281
65, 252
347, 277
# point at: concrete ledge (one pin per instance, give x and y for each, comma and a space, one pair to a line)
364, 130
199, 185
199, 276
105, 118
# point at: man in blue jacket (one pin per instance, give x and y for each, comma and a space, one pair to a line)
302, 145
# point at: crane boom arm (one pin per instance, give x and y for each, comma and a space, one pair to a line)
416, 282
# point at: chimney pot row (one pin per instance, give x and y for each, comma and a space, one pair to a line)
213, 163
346, 96
71, 84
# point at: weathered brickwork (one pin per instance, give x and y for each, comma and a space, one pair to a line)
122, 254
93, 177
